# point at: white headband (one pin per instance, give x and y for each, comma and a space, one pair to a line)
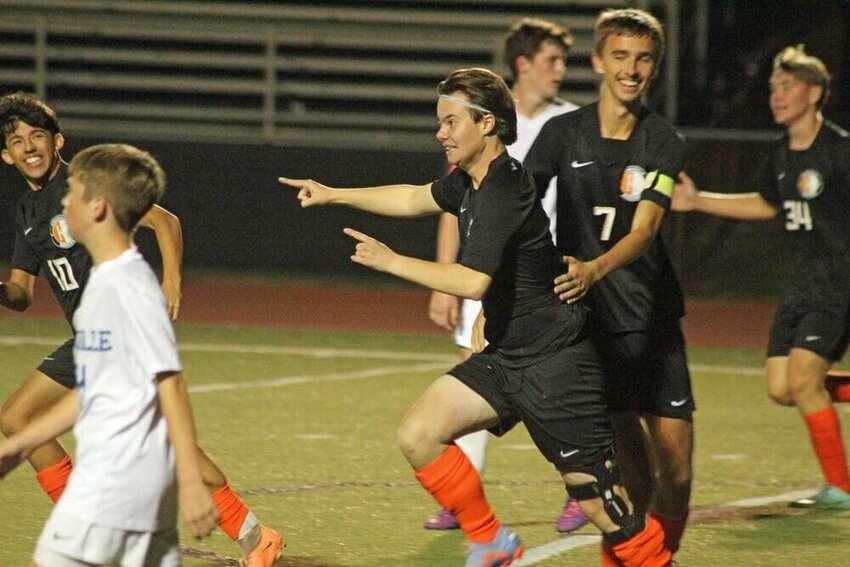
466, 103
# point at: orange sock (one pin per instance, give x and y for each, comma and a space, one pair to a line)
673, 529
54, 478
608, 557
454, 483
825, 433
645, 549
231, 509
838, 385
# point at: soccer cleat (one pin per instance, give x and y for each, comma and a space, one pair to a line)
571, 518
444, 520
267, 551
829, 498
505, 548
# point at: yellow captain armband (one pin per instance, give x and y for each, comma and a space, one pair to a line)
659, 182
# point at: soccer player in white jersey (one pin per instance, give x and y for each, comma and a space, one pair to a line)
535, 50
130, 410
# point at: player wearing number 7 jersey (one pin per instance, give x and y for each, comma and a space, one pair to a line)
615, 163
807, 180
32, 141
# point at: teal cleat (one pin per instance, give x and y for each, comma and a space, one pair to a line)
829, 498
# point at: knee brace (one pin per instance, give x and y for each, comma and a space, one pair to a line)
614, 506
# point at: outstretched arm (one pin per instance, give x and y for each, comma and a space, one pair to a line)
169, 238
57, 420
196, 504
581, 276
745, 206
443, 309
388, 200
454, 279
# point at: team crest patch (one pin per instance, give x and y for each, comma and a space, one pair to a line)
632, 183
810, 184
59, 232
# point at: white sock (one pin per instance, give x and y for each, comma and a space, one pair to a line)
474, 445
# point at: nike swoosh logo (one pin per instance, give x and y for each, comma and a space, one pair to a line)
810, 338
678, 403
569, 453
575, 164
27, 231
463, 209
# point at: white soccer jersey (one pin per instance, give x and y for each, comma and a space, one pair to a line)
527, 130
123, 476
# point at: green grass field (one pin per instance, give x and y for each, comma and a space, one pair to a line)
303, 424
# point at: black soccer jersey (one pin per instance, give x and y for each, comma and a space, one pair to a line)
42, 243
812, 189
600, 183
504, 233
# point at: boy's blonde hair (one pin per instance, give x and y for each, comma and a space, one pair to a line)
130, 179
804, 67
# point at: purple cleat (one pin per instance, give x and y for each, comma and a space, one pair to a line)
444, 520
571, 518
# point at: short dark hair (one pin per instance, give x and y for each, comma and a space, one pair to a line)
631, 22
130, 179
804, 67
25, 107
488, 90
527, 36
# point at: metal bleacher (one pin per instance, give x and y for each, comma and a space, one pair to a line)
297, 73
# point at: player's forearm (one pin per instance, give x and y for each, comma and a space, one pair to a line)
627, 250
169, 237
745, 206
174, 403
388, 200
448, 239
453, 279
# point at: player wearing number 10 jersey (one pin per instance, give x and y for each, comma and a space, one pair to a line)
32, 140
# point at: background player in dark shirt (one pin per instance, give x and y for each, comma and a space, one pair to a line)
807, 180
33, 140
538, 368
615, 162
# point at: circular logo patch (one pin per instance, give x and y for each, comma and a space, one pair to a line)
632, 183
810, 184
59, 232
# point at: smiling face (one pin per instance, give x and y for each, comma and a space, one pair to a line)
792, 99
627, 65
462, 138
34, 152
545, 71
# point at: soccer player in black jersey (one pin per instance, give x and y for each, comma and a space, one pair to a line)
539, 366
32, 142
615, 163
807, 181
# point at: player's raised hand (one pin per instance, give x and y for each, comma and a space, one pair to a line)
369, 252
309, 192
684, 193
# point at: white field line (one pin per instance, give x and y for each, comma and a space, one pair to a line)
546, 551
325, 377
